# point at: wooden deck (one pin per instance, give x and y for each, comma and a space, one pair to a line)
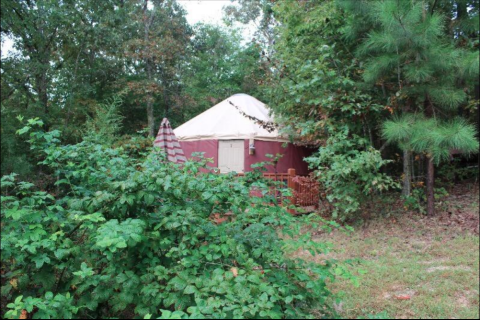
305, 190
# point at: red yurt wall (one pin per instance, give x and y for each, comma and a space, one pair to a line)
292, 155
210, 147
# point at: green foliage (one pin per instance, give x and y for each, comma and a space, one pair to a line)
260, 12
417, 200
220, 66
452, 171
72, 60
437, 138
47, 307
407, 51
349, 169
414, 61
106, 123
312, 88
127, 237
399, 130
314, 94
14, 156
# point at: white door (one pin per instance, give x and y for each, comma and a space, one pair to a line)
231, 155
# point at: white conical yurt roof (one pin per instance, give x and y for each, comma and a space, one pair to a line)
224, 122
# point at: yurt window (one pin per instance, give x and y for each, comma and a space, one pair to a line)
231, 156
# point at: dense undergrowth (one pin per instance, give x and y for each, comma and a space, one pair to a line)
125, 236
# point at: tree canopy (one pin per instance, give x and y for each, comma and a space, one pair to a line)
96, 223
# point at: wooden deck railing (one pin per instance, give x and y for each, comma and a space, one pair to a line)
305, 190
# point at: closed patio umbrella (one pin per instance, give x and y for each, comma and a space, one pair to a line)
167, 140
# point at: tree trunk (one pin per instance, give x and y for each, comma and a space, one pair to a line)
151, 118
430, 187
407, 179
407, 154
41, 89
148, 61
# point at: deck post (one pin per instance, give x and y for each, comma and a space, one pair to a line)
291, 185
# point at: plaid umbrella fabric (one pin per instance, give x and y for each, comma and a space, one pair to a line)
167, 140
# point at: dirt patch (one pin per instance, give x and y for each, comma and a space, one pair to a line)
457, 213
444, 268
438, 261
397, 294
464, 220
463, 302
461, 208
463, 298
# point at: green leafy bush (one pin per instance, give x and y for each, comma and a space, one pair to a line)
417, 199
349, 170
454, 170
107, 120
126, 237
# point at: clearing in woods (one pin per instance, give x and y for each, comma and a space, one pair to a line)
416, 267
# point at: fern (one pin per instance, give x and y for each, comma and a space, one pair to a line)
106, 122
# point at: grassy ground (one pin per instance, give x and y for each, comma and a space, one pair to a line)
416, 267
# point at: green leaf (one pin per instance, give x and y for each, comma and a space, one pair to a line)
121, 244
254, 279
40, 260
206, 195
190, 289
149, 199
339, 271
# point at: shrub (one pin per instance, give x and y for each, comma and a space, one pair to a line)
126, 237
417, 199
349, 170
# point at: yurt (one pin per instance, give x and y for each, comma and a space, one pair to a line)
228, 133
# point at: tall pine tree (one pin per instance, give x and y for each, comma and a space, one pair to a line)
416, 61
